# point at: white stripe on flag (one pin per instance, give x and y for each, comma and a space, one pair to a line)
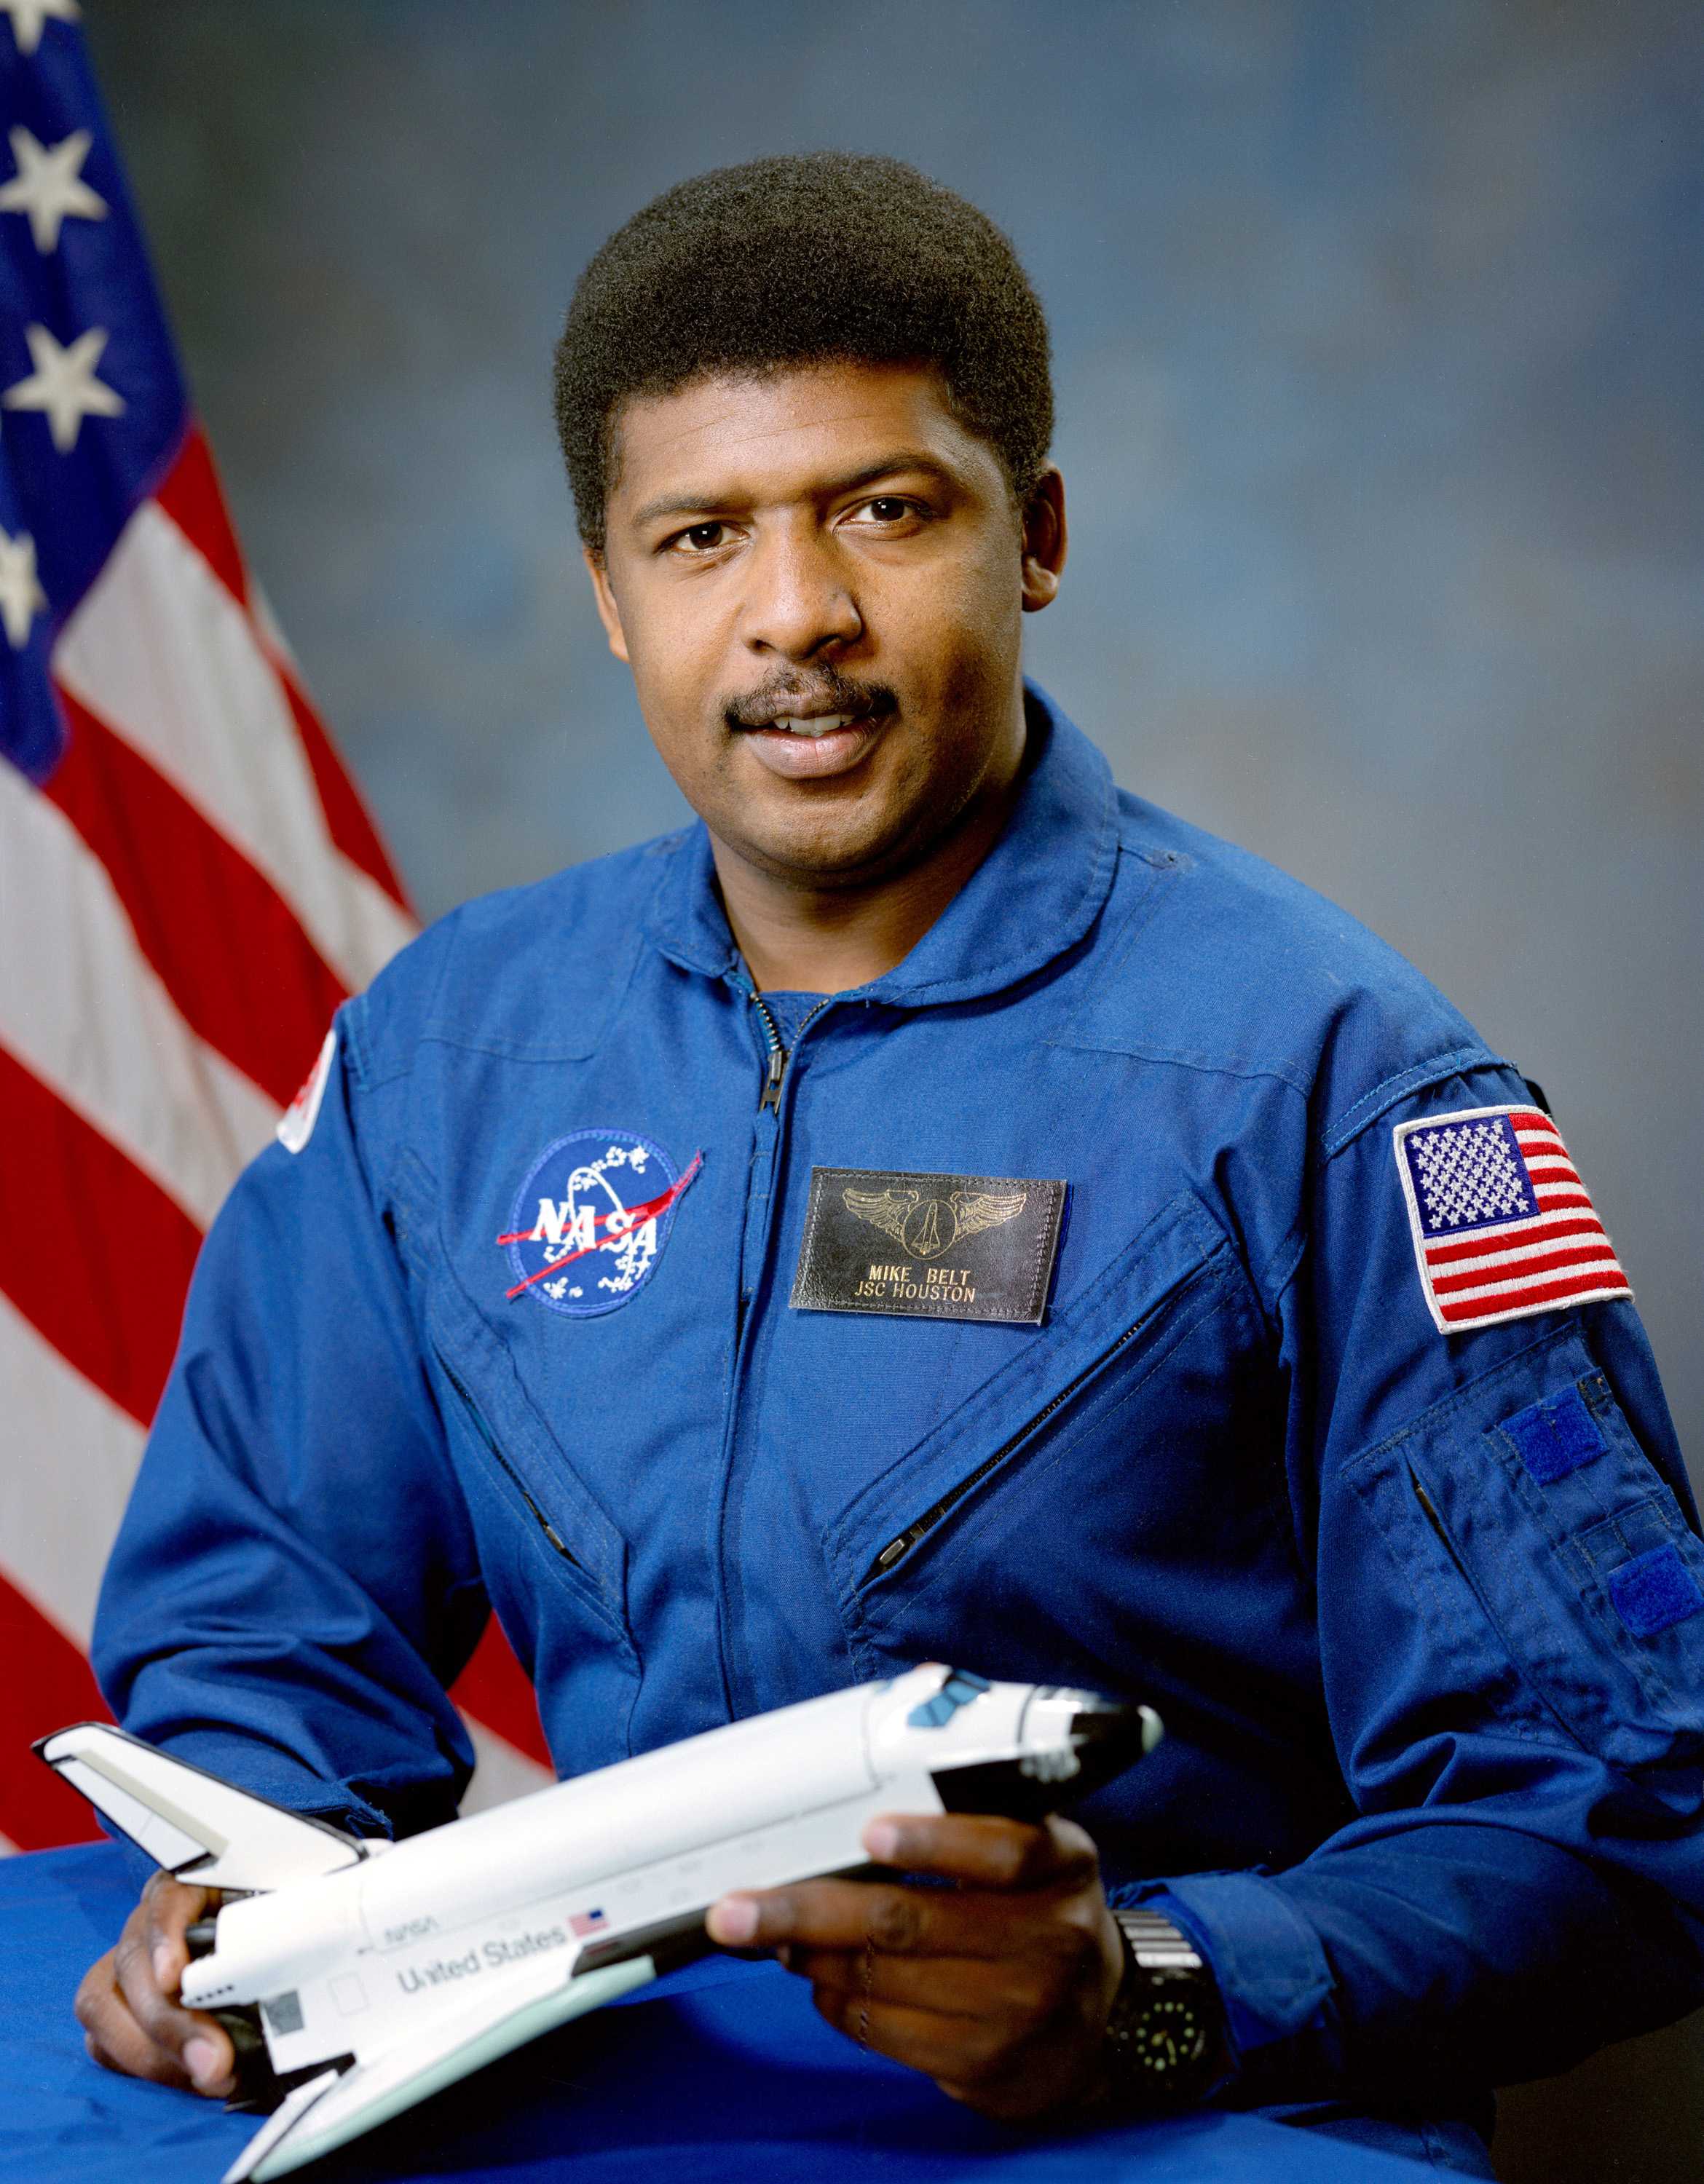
1604, 1264
1525, 1247
90, 1016
67, 1459
161, 653
499, 1772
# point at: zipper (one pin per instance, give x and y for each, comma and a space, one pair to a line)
478, 1416
897, 1549
775, 1066
776, 1059
1436, 1522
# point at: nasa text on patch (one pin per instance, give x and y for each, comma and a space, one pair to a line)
1502, 1224
928, 1246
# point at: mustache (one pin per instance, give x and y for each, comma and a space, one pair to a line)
829, 692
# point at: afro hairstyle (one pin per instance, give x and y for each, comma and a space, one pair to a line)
802, 258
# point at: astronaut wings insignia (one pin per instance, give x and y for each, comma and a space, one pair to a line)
983, 1209
927, 1227
888, 1209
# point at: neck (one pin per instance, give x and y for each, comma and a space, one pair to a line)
800, 938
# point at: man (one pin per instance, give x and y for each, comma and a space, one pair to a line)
939, 1206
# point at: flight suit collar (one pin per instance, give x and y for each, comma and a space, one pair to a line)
1034, 895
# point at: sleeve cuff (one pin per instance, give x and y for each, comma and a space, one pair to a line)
259, 1767
1267, 1961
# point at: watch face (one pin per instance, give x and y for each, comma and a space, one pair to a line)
1168, 2036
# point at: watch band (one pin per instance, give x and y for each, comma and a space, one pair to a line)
1155, 1943
1164, 2044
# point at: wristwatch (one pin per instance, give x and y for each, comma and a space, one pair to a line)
1165, 2037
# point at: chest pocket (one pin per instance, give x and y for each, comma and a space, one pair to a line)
1098, 1501
1552, 1559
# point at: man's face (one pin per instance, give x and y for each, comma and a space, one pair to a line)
825, 542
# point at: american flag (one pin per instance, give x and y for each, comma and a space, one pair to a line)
1502, 1224
188, 886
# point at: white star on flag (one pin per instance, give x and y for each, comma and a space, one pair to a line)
29, 15
62, 385
21, 596
49, 186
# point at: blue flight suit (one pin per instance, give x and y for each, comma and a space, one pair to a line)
1431, 1787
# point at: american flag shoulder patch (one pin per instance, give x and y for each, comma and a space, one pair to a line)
1502, 1224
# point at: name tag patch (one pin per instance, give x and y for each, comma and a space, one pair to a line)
929, 1246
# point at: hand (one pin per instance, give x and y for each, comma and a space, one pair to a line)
998, 1989
128, 2004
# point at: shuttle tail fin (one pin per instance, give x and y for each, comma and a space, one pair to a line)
189, 1821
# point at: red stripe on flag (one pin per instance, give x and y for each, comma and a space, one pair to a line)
1505, 1239
191, 495
92, 1252
494, 1688
1539, 1293
1552, 1199
346, 815
1509, 1269
47, 1686
230, 949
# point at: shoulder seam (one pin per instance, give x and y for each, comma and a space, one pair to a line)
1370, 1106
448, 926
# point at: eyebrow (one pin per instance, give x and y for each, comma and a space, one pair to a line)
902, 459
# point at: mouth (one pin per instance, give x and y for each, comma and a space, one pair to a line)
822, 724
810, 746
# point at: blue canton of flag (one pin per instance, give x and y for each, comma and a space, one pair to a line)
91, 402
1467, 1174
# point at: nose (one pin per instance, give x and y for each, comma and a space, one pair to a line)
798, 601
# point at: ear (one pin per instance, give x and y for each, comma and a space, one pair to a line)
1043, 540
609, 613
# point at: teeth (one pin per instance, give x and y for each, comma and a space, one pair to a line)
818, 727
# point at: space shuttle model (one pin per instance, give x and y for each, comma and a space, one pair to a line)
358, 1977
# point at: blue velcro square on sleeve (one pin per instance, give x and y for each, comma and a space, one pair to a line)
1653, 1590
1556, 1436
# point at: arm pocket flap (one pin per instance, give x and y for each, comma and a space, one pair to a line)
1578, 1552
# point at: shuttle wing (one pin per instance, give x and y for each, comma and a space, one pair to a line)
334, 2107
189, 1822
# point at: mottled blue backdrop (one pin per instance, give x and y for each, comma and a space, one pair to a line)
1381, 392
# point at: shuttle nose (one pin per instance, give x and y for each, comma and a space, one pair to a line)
1107, 1737
1070, 1743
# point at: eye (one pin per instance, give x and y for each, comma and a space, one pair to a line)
890, 507
700, 538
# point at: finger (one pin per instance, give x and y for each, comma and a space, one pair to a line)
1016, 1990
168, 1910
985, 1849
962, 2048
853, 1914
111, 2034
197, 2043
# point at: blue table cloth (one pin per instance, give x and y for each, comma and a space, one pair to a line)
722, 2073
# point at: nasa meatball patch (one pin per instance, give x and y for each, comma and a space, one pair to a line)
589, 1224
929, 1246
1502, 1224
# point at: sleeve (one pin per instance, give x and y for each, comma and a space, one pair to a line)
1511, 1610
295, 1581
